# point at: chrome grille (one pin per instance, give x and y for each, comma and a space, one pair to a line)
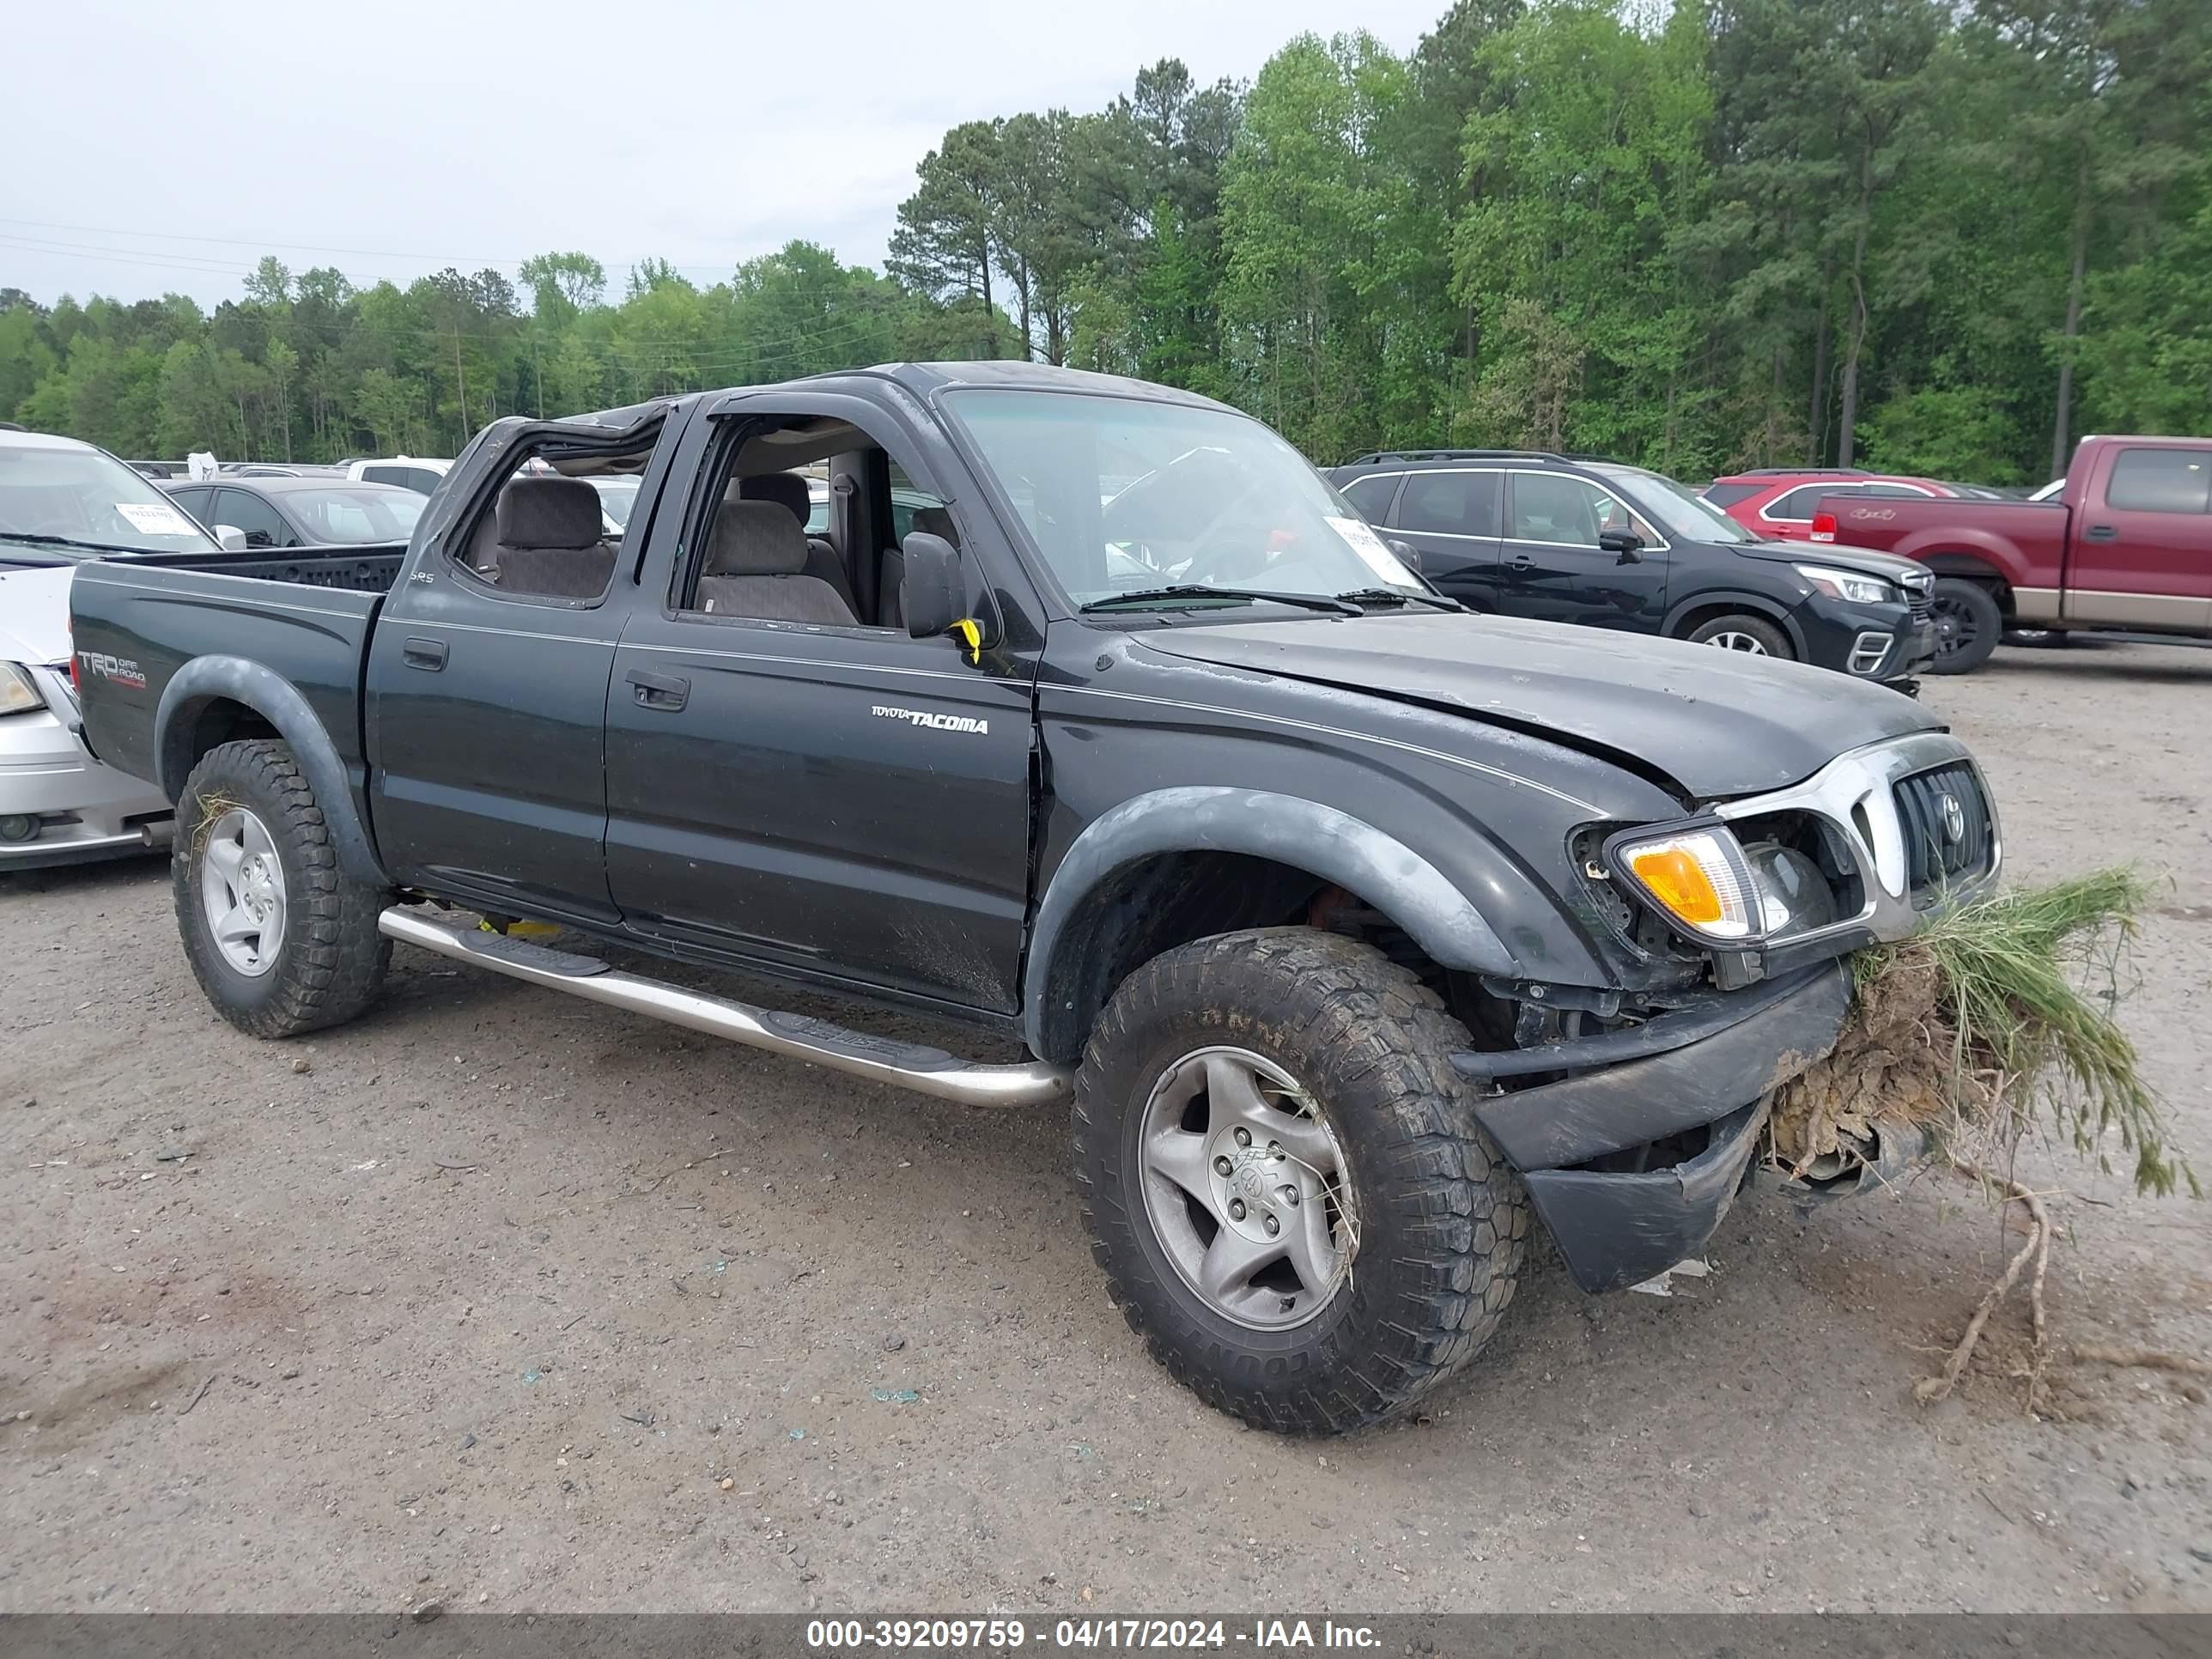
1948, 830
1916, 599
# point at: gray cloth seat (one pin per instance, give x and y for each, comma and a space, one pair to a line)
543, 538
788, 491
756, 566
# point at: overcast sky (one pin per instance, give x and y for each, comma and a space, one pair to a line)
175, 143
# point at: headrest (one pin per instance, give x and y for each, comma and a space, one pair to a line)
553, 512
936, 521
756, 538
786, 489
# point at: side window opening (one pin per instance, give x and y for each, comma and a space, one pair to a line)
543, 537
782, 543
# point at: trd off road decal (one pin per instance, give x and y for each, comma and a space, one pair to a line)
922, 717
123, 670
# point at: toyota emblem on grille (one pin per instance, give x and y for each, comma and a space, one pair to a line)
1954, 820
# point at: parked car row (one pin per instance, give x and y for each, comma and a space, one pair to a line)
1877, 576
2122, 544
299, 511
2125, 545
406, 471
1530, 533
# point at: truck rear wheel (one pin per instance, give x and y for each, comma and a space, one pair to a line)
1282, 1178
1967, 625
281, 940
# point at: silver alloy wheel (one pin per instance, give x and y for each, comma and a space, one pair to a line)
1730, 640
1246, 1189
242, 890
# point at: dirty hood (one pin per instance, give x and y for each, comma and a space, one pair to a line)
1717, 722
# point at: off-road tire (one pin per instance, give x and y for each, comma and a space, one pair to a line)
1977, 610
1442, 1219
332, 963
1775, 643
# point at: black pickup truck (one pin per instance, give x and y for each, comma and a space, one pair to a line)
1354, 925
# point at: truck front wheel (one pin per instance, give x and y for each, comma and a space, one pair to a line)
1281, 1177
281, 940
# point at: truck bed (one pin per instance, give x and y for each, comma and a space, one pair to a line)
306, 613
2023, 542
370, 568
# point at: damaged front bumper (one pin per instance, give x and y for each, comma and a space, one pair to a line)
1634, 1155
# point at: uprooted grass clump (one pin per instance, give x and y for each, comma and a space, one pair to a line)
1994, 1025
1995, 1022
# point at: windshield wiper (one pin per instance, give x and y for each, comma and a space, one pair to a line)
42, 540
1145, 596
1364, 596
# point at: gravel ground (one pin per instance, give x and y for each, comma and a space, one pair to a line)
489, 1296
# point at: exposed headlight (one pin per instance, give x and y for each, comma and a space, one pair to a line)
18, 694
1720, 891
1794, 896
1698, 877
1848, 585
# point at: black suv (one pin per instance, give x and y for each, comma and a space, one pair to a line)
1529, 533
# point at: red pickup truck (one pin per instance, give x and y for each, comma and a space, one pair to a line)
2126, 545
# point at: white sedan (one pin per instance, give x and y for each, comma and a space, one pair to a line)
60, 501
58, 804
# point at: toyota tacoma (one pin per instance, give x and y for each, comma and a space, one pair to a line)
1360, 933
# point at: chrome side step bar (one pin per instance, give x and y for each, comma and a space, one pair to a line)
909, 1066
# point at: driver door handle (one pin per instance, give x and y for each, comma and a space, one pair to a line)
668, 692
2102, 533
1522, 562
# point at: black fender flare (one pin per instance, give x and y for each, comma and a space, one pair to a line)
1286, 828
204, 680
1735, 599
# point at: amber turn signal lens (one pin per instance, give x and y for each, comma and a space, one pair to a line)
1674, 877
1698, 877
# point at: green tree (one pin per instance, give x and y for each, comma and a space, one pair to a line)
947, 239
1586, 150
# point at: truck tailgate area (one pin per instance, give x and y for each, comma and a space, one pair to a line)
134, 623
